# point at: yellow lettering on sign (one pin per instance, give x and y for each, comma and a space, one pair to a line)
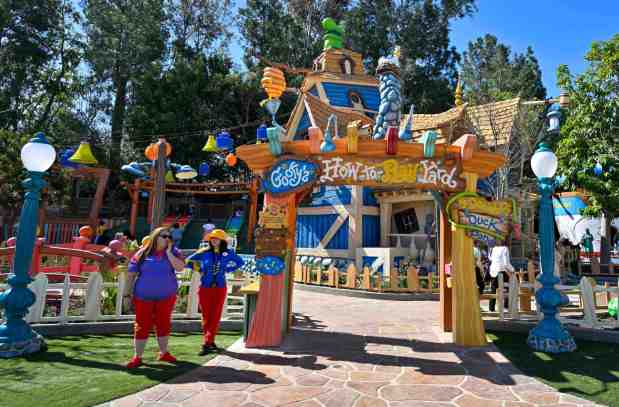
480, 205
396, 173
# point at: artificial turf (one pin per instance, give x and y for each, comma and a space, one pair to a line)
591, 372
88, 370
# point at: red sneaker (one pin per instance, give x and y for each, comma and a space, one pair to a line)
135, 362
166, 357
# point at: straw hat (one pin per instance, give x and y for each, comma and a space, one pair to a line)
218, 234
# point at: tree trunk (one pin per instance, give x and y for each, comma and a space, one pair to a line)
118, 120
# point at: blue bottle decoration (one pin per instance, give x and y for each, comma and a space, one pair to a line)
327, 144
224, 141
203, 169
428, 140
274, 144
407, 132
261, 134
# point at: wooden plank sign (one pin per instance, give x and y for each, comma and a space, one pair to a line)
369, 171
290, 175
271, 242
484, 220
274, 216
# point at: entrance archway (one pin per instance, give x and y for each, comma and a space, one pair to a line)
287, 177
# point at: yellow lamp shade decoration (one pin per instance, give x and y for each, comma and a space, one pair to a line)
169, 177
231, 160
151, 151
84, 155
211, 145
273, 82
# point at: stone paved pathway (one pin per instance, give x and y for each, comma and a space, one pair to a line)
351, 352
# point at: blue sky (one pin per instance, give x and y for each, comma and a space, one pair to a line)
560, 31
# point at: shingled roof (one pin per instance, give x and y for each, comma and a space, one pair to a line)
493, 122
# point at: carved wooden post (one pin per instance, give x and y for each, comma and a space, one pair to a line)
351, 276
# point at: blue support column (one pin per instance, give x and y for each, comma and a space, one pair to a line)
16, 336
549, 335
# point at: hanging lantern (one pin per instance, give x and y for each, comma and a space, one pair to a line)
186, 172
231, 160
83, 155
273, 82
211, 145
153, 148
64, 158
261, 134
392, 140
134, 169
598, 169
203, 169
169, 177
224, 141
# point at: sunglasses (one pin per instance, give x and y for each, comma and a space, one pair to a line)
165, 236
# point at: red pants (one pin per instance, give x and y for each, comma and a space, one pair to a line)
212, 305
149, 313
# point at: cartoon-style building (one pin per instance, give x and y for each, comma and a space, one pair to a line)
357, 223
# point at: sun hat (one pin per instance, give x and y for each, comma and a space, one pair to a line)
218, 234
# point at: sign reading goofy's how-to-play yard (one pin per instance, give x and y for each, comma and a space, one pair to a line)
368, 171
484, 220
290, 175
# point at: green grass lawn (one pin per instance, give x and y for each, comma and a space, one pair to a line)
591, 372
88, 370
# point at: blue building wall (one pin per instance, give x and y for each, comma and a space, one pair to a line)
368, 197
340, 240
311, 229
337, 94
371, 231
331, 195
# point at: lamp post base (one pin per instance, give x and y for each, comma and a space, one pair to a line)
554, 340
14, 349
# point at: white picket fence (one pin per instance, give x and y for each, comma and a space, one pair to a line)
582, 310
93, 291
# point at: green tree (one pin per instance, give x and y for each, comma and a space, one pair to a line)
491, 73
39, 55
124, 39
590, 134
421, 29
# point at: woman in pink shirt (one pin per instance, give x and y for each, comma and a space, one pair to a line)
152, 283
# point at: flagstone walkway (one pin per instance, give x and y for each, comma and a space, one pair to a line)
352, 352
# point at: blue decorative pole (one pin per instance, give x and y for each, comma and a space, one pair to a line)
549, 335
16, 336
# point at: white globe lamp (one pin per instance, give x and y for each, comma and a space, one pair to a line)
38, 155
544, 163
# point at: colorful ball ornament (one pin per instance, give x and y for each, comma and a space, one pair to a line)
86, 231
203, 169
151, 151
231, 160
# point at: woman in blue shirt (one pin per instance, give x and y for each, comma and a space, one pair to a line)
213, 263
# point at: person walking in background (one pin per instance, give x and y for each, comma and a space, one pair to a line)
177, 234
479, 277
101, 229
499, 263
152, 285
213, 264
207, 228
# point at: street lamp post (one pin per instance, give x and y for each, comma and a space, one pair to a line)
16, 336
549, 335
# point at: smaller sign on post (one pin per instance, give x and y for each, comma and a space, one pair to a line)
290, 175
484, 220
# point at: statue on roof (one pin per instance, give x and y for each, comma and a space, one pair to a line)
389, 112
334, 34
